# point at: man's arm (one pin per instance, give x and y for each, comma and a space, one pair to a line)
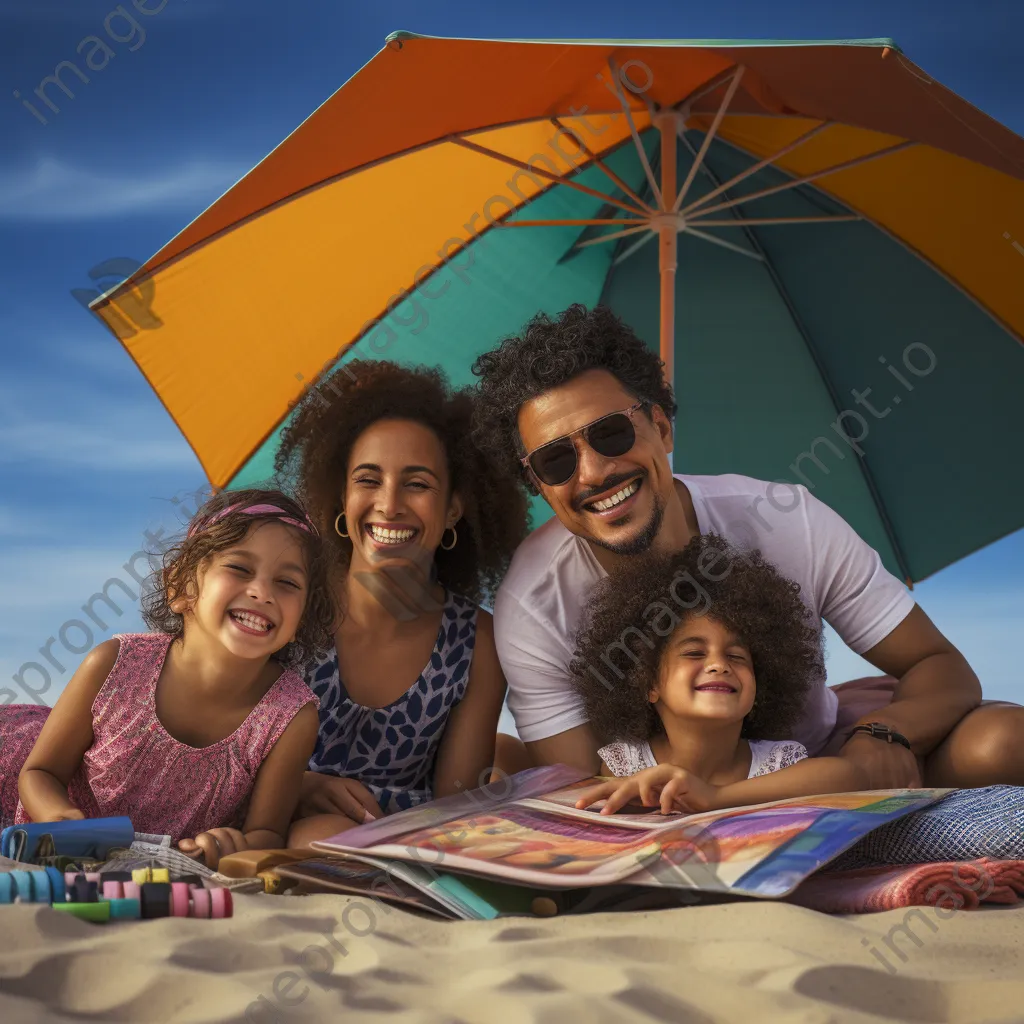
937, 687
875, 615
575, 747
547, 710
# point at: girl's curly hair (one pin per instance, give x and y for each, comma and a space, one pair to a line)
314, 454
215, 528
634, 612
549, 353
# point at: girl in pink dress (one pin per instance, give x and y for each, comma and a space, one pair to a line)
202, 730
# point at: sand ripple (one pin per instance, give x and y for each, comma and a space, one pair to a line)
320, 958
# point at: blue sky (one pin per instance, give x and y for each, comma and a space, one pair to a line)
88, 458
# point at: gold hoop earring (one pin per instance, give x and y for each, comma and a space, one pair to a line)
455, 539
337, 527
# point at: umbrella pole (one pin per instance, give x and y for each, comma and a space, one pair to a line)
668, 233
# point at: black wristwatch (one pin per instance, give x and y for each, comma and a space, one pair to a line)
883, 732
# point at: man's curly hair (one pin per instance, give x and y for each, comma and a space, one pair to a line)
634, 613
551, 352
314, 454
183, 564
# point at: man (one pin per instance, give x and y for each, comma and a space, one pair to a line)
580, 401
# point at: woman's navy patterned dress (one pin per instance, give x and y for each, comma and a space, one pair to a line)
391, 750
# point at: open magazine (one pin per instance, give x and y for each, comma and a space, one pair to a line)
490, 850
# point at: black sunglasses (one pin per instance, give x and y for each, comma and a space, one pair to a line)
611, 436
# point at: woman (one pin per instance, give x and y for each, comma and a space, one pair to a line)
420, 527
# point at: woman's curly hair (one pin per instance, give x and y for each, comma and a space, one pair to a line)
635, 611
550, 352
314, 454
215, 528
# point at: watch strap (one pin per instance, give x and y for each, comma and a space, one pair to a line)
882, 732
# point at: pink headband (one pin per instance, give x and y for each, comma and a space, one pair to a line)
257, 510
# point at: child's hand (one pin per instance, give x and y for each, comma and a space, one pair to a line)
332, 794
71, 814
665, 786
211, 846
68, 814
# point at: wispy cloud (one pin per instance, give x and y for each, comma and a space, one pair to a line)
48, 424
57, 579
110, 447
22, 523
45, 590
54, 191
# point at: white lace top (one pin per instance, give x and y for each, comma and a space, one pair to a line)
765, 756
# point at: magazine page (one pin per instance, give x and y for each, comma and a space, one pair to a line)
533, 782
762, 850
362, 876
768, 849
563, 801
466, 898
452, 893
516, 843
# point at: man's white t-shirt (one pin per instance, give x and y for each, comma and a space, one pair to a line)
842, 580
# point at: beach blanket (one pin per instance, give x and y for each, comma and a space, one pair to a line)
966, 825
948, 886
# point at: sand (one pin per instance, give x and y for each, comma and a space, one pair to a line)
279, 959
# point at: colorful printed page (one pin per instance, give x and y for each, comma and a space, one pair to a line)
537, 838
550, 788
768, 849
563, 802
362, 877
520, 844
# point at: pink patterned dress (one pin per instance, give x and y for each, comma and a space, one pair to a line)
135, 767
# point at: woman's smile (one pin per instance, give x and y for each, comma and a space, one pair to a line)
397, 498
390, 535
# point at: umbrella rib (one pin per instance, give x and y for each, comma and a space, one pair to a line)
702, 90
370, 325
904, 244
801, 327
629, 250
611, 236
514, 162
762, 221
655, 191
709, 136
722, 242
584, 148
808, 135
807, 178
569, 223
331, 179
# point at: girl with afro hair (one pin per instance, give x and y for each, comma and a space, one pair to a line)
693, 669
419, 527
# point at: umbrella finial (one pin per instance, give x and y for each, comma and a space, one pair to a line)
395, 40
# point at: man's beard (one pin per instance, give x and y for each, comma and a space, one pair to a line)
643, 540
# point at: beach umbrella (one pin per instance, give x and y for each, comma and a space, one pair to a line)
824, 243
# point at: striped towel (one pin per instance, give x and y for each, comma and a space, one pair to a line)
947, 886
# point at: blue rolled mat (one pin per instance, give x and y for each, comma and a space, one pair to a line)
965, 825
93, 837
